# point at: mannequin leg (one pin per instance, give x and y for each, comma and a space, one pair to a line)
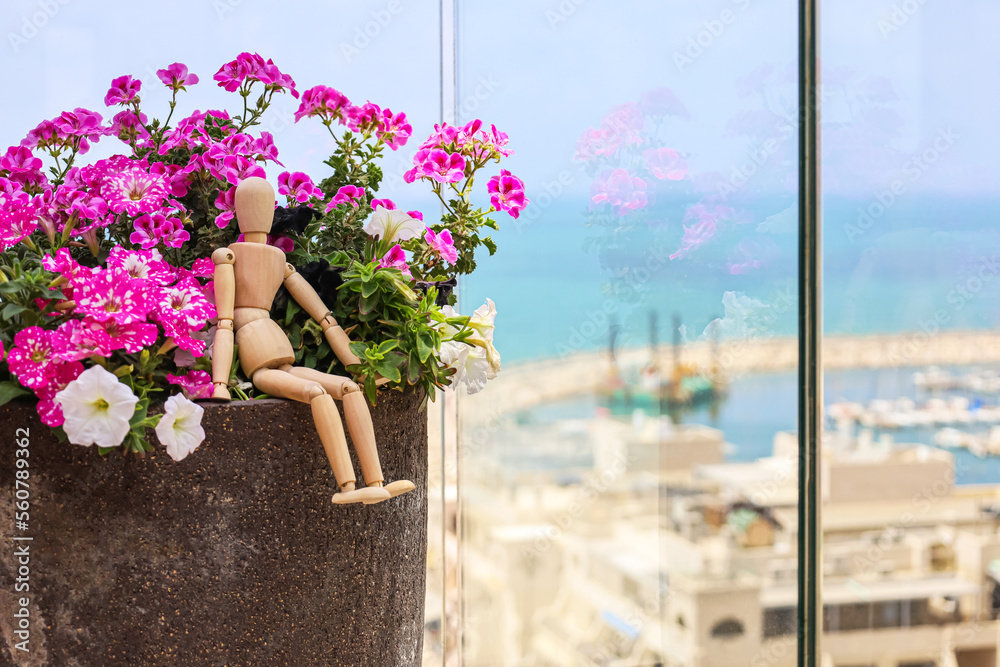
328, 426
359, 425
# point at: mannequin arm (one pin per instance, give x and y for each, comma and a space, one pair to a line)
225, 297
306, 296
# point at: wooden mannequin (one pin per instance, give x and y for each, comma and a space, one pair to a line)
247, 277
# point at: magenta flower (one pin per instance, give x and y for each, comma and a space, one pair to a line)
195, 384
507, 193
704, 229
49, 412
203, 267
151, 229
82, 124
18, 219
31, 358
416, 215
127, 126
347, 194
123, 90
665, 163
225, 202
624, 192
387, 204
45, 135
113, 295
265, 149
442, 244
251, 67
395, 259
443, 167
135, 189
22, 167
142, 265
176, 76
325, 102
298, 186
394, 131
133, 337
184, 303
235, 168
78, 339
365, 119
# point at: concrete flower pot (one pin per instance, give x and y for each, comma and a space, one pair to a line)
234, 556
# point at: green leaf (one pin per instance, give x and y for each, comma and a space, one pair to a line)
11, 287
367, 304
424, 347
140, 413
9, 391
368, 288
388, 370
104, 451
490, 245
370, 389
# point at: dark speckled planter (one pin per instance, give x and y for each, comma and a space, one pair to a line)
235, 556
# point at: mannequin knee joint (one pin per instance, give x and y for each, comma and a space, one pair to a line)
314, 390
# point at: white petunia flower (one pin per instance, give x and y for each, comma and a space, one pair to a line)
180, 427
483, 319
470, 363
393, 226
97, 408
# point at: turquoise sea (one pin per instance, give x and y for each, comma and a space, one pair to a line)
926, 262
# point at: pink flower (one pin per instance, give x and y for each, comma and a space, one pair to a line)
507, 193
151, 229
82, 124
620, 189
142, 265
18, 219
703, 230
325, 102
366, 118
31, 359
79, 339
387, 204
123, 90
110, 294
298, 186
22, 167
347, 194
127, 126
416, 215
442, 244
49, 411
226, 202
443, 167
203, 267
136, 189
184, 306
133, 337
665, 163
395, 259
251, 67
236, 168
176, 76
265, 149
195, 384
394, 131
282, 243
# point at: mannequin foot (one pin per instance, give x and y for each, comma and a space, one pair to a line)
394, 489
366, 495
399, 487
